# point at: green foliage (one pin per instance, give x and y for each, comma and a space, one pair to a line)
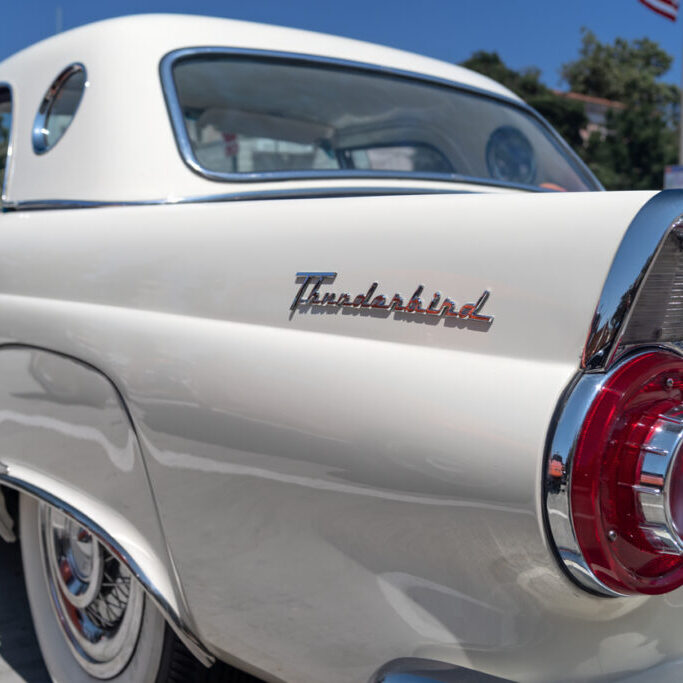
641, 138
626, 72
633, 154
526, 83
567, 116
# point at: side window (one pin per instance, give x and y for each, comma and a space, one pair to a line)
5, 128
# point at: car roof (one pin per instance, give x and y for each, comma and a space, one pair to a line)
166, 32
121, 145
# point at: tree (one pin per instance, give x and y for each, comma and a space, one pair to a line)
526, 83
641, 138
566, 116
626, 72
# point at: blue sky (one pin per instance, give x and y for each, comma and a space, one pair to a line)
525, 32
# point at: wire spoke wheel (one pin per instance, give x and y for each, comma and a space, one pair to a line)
98, 604
91, 615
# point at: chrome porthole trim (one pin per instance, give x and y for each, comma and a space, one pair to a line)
632, 262
98, 603
39, 135
190, 159
4, 198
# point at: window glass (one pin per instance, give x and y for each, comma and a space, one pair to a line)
58, 107
5, 130
417, 157
253, 115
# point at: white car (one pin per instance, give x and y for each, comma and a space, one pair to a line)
307, 365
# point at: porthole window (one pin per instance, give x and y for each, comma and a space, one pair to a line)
5, 137
58, 107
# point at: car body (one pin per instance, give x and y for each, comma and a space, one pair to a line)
314, 489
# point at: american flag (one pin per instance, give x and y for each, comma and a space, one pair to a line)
667, 8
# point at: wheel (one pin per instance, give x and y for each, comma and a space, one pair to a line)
92, 618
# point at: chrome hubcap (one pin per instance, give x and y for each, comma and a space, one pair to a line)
97, 602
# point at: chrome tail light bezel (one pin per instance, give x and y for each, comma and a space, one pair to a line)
566, 426
607, 346
566, 429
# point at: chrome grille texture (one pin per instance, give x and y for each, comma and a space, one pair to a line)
658, 312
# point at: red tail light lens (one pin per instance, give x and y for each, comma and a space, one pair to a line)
626, 482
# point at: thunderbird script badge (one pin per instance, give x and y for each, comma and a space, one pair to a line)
309, 294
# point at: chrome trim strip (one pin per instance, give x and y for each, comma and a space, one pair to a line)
10, 144
297, 193
38, 132
635, 256
171, 616
562, 442
186, 152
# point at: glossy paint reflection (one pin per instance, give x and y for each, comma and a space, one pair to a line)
341, 491
65, 437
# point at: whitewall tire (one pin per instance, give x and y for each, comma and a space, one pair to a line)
92, 619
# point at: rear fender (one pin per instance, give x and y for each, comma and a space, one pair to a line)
66, 439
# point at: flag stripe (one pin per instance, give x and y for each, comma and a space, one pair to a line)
670, 3
666, 8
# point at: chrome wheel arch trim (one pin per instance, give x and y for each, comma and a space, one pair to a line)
40, 487
635, 256
562, 441
189, 158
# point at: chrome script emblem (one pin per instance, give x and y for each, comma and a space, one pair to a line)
311, 282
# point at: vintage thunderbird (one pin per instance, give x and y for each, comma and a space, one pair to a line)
310, 368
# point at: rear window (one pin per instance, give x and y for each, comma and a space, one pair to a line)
250, 117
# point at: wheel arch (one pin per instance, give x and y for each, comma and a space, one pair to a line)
66, 438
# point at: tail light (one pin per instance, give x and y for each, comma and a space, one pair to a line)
614, 478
